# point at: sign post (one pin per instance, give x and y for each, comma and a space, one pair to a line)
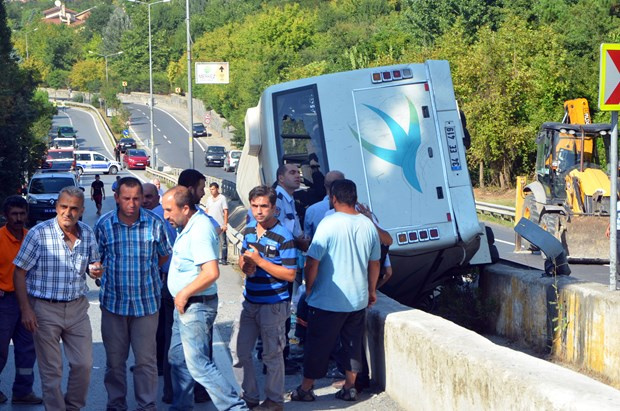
207, 122
609, 100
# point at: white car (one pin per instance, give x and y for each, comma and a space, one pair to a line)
231, 160
91, 162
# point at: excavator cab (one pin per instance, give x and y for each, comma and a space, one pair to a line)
570, 195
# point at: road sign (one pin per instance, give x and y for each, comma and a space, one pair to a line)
124, 84
212, 73
609, 86
177, 90
207, 119
125, 132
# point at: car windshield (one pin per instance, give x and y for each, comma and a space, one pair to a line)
49, 185
63, 143
128, 141
216, 150
60, 155
198, 125
136, 153
236, 154
65, 129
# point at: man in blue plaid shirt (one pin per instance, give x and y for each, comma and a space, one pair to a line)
133, 244
50, 285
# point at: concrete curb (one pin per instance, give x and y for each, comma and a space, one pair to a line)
585, 314
431, 364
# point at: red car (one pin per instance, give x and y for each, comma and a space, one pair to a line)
136, 159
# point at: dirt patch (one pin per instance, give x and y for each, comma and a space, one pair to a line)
495, 195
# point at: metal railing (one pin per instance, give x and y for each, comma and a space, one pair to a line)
503, 212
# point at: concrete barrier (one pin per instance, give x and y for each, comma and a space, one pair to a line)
578, 324
428, 363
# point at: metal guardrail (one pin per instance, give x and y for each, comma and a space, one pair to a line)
504, 212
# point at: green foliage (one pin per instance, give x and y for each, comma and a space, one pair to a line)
513, 62
24, 116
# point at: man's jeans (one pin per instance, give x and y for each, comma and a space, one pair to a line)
224, 246
189, 358
11, 328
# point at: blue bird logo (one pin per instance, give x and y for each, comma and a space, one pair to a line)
407, 144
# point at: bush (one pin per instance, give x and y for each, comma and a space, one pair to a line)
78, 97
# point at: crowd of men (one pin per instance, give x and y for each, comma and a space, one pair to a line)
157, 259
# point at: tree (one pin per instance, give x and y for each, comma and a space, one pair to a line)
119, 23
20, 114
87, 75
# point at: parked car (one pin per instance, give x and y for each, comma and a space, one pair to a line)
42, 193
67, 132
91, 162
199, 130
215, 156
136, 159
126, 143
232, 159
52, 133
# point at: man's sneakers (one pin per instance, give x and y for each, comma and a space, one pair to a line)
29, 399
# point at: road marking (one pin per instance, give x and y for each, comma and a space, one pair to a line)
204, 150
103, 141
169, 142
503, 242
68, 116
158, 129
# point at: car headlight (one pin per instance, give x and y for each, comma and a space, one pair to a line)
32, 200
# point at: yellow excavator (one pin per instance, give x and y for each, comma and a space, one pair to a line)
570, 195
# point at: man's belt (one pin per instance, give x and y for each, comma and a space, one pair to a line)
54, 301
199, 299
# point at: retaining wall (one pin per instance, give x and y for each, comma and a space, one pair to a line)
576, 322
428, 363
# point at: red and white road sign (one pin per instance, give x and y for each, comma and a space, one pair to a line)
609, 86
207, 119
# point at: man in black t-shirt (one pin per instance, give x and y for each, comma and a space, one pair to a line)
97, 192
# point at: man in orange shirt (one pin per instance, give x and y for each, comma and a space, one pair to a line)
11, 236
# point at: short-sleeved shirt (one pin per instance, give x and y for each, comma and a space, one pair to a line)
9, 247
55, 271
286, 213
216, 207
172, 233
343, 244
276, 245
195, 245
314, 214
131, 284
97, 187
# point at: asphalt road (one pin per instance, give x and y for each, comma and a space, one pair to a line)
505, 242
171, 140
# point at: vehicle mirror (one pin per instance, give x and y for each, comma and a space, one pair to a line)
24, 191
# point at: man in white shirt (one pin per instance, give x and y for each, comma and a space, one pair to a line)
217, 207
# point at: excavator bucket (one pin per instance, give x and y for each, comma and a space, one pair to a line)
585, 239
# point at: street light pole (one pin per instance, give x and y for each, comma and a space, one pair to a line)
189, 88
153, 152
105, 58
27, 53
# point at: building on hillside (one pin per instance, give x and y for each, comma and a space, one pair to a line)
59, 14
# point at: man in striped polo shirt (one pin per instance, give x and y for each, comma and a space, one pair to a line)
269, 262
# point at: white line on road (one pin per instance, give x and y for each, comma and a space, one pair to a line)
68, 116
181, 124
158, 129
497, 240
